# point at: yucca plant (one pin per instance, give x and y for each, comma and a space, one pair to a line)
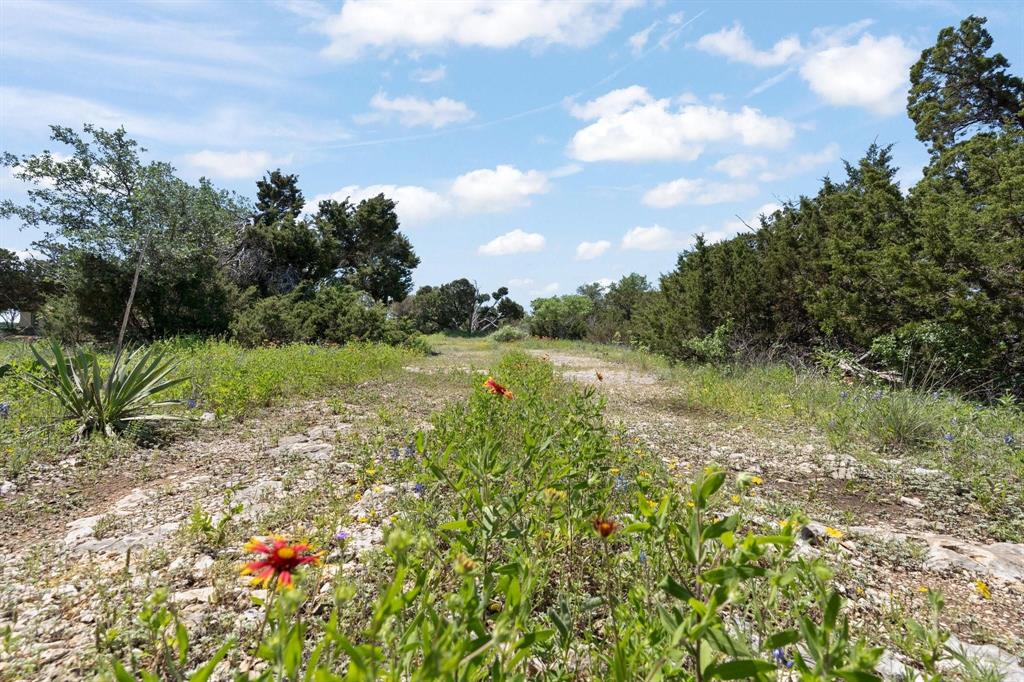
104, 401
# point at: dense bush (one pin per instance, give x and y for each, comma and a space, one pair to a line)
561, 317
333, 313
509, 334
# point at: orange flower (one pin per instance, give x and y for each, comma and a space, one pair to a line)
605, 527
497, 389
600, 377
279, 560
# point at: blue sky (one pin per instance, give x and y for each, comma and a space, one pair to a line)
534, 144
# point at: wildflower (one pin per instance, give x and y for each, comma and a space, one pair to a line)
192, 403
780, 657
832, 423
5, 409
833, 532
394, 454
497, 389
371, 471
621, 483
554, 495
844, 395
463, 564
600, 377
614, 470
983, 589
1008, 439
410, 450
362, 519
279, 560
735, 499
876, 395
605, 527
948, 437
643, 557
922, 589
342, 535
357, 497
746, 479
935, 395
419, 488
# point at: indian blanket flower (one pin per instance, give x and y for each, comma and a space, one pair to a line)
605, 526
497, 389
278, 561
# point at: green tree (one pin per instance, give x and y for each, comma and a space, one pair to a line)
107, 215
22, 285
366, 248
561, 317
956, 88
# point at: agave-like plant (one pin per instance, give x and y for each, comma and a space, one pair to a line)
102, 402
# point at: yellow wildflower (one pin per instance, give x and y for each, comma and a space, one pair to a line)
982, 589
735, 499
922, 589
833, 532
362, 519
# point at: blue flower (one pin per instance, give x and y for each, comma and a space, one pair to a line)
410, 450
780, 657
844, 394
621, 483
394, 454
419, 488
5, 409
191, 403
1008, 439
948, 437
643, 557
341, 535
876, 395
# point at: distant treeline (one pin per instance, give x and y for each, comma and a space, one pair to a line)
930, 281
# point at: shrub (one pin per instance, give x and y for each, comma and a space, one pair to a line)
929, 351
561, 317
103, 400
510, 334
712, 348
334, 313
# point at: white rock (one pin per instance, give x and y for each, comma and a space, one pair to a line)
1003, 560
199, 595
7, 488
914, 502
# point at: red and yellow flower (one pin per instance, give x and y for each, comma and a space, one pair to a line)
497, 389
278, 561
605, 526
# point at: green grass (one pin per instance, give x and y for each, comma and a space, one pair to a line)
224, 378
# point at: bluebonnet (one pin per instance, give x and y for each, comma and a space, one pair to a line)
948, 437
5, 409
191, 404
876, 395
780, 656
1008, 439
642, 557
621, 483
419, 488
394, 453
410, 450
844, 394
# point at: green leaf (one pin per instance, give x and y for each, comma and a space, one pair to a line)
780, 639
740, 669
460, 525
676, 589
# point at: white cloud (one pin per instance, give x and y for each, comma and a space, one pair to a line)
415, 205
698, 192
591, 250
520, 282
234, 165
802, 163
638, 40
512, 243
740, 165
734, 45
632, 126
654, 238
871, 73
546, 290
605, 282
497, 189
430, 75
413, 111
385, 25
30, 111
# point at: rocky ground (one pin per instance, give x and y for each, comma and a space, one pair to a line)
83, 548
